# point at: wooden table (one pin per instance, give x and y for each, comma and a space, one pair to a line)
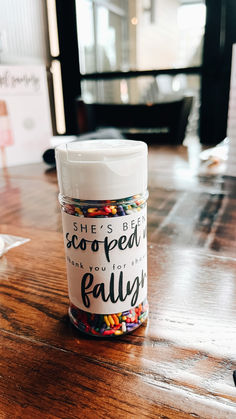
180, 363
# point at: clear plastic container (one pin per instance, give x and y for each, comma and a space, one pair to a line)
105, 239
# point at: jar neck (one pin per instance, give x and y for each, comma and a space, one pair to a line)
123, 201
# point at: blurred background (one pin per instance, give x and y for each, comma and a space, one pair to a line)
164, 63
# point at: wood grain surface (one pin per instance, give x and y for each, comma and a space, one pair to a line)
179, 364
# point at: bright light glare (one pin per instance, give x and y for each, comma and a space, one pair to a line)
58, 97
192, 16
52, 27
124, 94
84, 13
134, 21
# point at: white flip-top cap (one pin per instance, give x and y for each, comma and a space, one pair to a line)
102, 169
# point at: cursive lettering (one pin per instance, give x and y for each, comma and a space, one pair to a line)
108, 245
106, 291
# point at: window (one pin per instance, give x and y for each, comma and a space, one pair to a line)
135, 35
140, 35
140, 50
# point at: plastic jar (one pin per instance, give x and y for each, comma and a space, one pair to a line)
103, 193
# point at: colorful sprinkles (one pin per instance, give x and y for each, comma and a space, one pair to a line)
106, 325
109, 324
104, 209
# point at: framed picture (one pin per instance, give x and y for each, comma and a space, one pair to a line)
25, 118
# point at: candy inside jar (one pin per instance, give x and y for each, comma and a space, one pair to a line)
105, 239
111, 324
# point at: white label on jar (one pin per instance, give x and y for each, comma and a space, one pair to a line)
106, 261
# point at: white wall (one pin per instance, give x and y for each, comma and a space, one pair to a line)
23, 32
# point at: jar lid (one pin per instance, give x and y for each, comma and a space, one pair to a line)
102, 169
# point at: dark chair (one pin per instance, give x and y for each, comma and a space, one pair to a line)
163, 123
